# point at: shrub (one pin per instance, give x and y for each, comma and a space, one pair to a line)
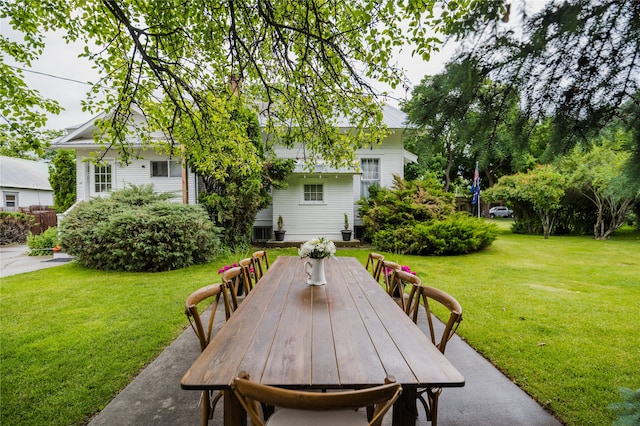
405, 204
418, 217
458, 234
43, 243
137, 230
628, 411
14, 227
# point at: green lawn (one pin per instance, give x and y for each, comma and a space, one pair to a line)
559, 316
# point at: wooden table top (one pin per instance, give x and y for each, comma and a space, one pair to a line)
345, 334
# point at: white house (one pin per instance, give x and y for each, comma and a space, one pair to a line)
24, 183
313, 205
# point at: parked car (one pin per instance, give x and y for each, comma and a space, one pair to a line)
500, 211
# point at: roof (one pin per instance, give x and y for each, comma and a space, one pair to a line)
24, 174
81, 136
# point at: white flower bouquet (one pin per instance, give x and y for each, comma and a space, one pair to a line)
317, 248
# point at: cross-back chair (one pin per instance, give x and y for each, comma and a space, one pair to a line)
315, 408
211, 293
423, 297
397, 283
387, 269
260, 263
374, 265
233, 279
248, 271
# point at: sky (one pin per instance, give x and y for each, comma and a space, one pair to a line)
59, 73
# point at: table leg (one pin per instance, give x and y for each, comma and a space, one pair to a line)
234, 414
404, 409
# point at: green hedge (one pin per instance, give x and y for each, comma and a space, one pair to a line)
136, 230
458, 234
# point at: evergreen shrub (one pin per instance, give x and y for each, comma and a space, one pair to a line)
137, 230
14, 227
458, 234
418, 217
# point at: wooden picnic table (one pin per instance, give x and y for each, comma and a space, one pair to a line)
343, 335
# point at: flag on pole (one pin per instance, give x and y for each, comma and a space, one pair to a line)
475, 188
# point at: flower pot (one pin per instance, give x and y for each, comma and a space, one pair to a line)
279, 235
346, 235
314, 268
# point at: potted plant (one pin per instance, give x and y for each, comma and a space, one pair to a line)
346, 232
280, 232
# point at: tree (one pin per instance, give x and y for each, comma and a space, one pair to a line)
599, 175
461, 118
576, 63
310, 63
237, 170
62, 177
540, 190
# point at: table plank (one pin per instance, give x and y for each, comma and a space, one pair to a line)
346, 334
358, 360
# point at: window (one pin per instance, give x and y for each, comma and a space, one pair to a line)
313, 193
11, 200
370, 175
165, 168
102, 177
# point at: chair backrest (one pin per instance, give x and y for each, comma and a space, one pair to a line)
422, 296
387, 270
399, 279
374, 265
248, 271
260, 263
232, 278
250, 393
213, 293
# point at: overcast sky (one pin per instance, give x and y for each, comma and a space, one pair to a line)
59, 73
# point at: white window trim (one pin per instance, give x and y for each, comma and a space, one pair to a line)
313, 182
110, 163
16, 201
362, 180
169, 163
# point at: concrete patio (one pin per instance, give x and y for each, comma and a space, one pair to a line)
154, 397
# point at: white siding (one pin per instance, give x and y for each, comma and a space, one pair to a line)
28, 197
304, 221
138, 172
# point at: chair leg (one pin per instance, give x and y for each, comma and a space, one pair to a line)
206, 408
434, 395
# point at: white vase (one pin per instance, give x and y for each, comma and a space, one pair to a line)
314, 268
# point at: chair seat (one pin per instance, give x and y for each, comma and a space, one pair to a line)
289, 417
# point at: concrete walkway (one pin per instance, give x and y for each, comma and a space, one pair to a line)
13, 260
154, 397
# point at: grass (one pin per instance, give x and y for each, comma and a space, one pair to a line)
558, 316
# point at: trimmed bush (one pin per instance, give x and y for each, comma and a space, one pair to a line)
137, 230
458, 234
43, 243
14, 227
418, 217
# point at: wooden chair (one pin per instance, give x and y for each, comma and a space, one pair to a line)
260, 263
387, 270
248, 271
397, 283
315, 408
421, 296
233, 279
211, 293
375, 260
